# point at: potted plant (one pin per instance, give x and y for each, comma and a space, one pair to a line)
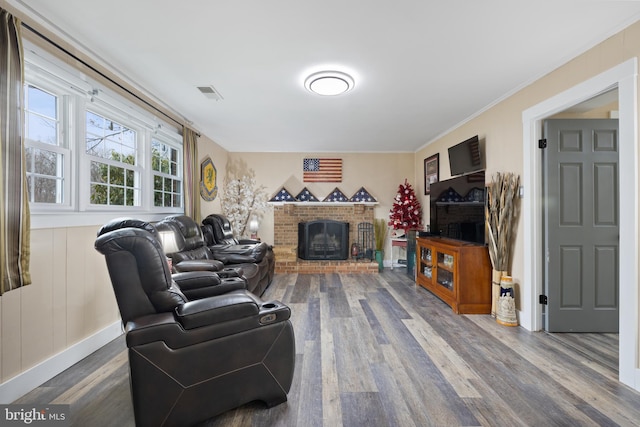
380, 231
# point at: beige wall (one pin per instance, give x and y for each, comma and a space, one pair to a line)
603, 112
378, 173
219, 156
69, 300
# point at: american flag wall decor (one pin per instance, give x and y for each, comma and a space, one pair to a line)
322, 170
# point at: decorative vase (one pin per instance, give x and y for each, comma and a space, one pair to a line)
380, 260
496, 275
506, 310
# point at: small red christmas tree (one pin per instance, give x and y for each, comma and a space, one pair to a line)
406, 212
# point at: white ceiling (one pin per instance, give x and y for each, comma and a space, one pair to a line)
421, 66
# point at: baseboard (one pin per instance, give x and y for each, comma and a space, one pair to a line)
26, 381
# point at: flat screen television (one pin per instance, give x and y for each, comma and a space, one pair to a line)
457, 208
466, 157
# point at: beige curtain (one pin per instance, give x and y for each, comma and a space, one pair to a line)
191, 174
14, 203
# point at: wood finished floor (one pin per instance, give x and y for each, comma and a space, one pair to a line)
375, 350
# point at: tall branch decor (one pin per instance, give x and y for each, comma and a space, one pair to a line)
500, 215
242, 198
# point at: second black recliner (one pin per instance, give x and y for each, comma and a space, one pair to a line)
218, 235
192, 254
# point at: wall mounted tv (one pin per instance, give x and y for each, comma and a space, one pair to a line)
466, 157
457, 208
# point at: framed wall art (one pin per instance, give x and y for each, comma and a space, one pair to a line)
431, 172
208, 180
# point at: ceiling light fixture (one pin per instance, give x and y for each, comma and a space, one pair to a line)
329, 83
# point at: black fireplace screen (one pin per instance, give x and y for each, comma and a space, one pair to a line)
323, 240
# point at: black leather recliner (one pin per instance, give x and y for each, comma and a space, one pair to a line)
218, 236
193, 255
190, 360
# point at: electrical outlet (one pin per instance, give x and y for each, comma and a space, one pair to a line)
521, 192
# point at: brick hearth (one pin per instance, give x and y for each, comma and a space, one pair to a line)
286, 218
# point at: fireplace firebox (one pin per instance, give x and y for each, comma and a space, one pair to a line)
323, 240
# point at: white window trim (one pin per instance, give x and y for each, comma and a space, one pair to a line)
78, 92
163, 138
86, 159
65, 109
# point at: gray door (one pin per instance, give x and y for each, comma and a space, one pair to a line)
581, 225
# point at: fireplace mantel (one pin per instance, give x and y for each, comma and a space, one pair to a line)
310, 204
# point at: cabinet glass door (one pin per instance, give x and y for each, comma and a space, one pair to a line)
426, 266
445, 270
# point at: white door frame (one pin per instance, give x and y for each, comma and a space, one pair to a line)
624, 77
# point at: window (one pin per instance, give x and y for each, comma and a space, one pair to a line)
166, 183
115, 175
89, 150
45, 152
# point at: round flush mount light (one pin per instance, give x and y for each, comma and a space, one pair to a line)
329, 83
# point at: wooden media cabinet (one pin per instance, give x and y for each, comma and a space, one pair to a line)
459, 273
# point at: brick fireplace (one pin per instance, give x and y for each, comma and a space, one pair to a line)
286, 218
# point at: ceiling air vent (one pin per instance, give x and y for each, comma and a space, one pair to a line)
210, 92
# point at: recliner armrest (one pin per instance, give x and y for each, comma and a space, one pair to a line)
273, 311
231, 259
253, 242
228, 272
198, 265
196, 279
248, 241
166, 328
222, 308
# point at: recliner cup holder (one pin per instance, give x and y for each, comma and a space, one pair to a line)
269, 305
